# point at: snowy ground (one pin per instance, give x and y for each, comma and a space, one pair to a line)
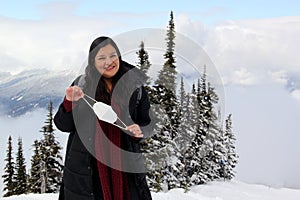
233, 190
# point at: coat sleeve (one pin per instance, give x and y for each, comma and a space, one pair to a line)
143, 114
143, 109
63, 119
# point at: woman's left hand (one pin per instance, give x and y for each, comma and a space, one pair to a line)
135, 130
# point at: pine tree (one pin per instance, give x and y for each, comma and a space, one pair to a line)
156, 151
208, 129
168, 74
195, 156
9, 171
199, 165
186, 132
163, 93
143, 62
214, 136
51, 160
231, 158
35, 171
20, 176
165, 86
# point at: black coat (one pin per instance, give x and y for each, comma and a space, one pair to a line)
80, 178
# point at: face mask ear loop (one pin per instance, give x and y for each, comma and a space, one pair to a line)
119, 126
122, 123
86, 101
85, 95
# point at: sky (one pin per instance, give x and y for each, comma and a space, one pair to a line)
253, 45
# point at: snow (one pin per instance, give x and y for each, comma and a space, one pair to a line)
232, 190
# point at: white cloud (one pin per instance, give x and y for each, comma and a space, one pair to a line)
296, 94
259, 45
241, 76
244, 52
60, 39
280, 76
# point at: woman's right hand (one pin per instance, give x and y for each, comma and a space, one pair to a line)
74, 93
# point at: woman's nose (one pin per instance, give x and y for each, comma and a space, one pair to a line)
108, 61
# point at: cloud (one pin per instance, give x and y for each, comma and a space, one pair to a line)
265, 123
280, 76
296, 94
244, 51
60, 39
259, 45
242, 77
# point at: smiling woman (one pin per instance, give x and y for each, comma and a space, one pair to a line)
95, 162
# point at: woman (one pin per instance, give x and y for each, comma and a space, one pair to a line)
94, 162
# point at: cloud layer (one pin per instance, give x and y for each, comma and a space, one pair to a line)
246, 51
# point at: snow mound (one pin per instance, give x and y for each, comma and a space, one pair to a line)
232, 190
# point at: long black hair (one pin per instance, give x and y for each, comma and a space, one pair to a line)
94, 81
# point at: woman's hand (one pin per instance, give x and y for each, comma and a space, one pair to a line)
135, 130
74, 93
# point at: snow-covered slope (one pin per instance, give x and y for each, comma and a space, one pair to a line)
32, 89
233, 190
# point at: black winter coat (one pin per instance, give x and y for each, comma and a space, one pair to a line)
80, 179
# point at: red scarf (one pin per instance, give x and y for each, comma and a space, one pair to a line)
113, 182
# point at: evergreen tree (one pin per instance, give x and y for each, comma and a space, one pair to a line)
153, 157
188, 146
168, 74
164, 90
214, 136
51, 160
186, 132
231, 158
163, 93
143, 62
200, 165
35, 171
194, 157
9, 171
20, 176
157, 151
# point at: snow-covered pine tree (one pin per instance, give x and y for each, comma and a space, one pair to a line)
8, 175
164, 92
151, 147
35, 171
51, 159
143, 62
199, 163
167, 76
193, 164
158, 149
214, 137
186, 133
231, 157
165, 86
20, 176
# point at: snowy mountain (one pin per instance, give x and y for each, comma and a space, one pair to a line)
233, 190
32, 89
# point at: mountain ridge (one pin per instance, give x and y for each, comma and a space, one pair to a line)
27, 90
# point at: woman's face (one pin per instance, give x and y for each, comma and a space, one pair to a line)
107, 61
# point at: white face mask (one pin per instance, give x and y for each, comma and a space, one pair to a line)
105, 112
